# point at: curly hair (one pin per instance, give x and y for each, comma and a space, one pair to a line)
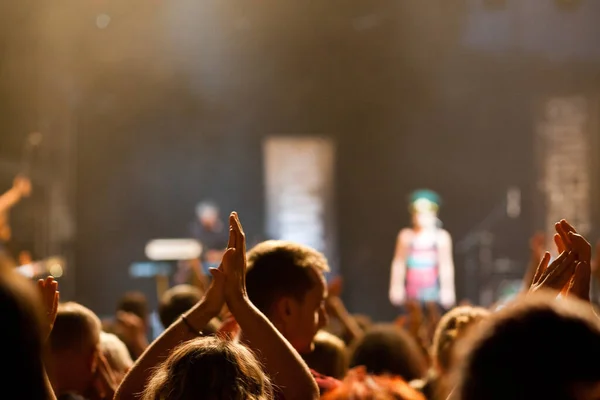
453, 325
209, 368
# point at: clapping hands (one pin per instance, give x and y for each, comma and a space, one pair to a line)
229, 280
570, 272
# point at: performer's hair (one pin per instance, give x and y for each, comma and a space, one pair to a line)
426, 195
280, 268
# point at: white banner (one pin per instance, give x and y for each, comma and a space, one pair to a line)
299, 181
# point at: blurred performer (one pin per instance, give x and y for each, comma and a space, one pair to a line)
423, 268
21, 188
210, 231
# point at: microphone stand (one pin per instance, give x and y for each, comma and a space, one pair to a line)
479, 264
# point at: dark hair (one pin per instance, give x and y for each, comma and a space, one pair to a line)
135, 303
209, 368
329, 355
388, 349
176, 301
280, 268
21, 335
537, 348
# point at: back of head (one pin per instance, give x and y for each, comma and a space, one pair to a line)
135, 303
329, 355
21, 336
209, 368
358, 385
176, 301
76, 330
280, 268
453, 326
387, 349
536, 348
116, 353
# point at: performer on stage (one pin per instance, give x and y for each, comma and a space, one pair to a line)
423, 267
210, 231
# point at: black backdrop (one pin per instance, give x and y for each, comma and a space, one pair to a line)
407, 105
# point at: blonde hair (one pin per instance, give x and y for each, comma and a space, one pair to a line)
116, 352
453, 325
209, 368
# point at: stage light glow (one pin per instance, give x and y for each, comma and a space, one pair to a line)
102, 21
173, 249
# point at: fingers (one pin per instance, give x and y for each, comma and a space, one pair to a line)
560, 245
581, 246
240, 237
580, 283
560, 229
559, 273
542, 266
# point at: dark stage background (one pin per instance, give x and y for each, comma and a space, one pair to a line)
169, 104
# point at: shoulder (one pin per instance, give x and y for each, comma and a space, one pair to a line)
444, 237
405, 235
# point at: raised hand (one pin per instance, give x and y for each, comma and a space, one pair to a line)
555, 276
50, 295
334, 289
22, 185
581, 281
537, 245
234, 261
567, 239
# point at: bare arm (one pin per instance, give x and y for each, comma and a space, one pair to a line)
397, 282
134, 382
21, 188
448, 292
337, 308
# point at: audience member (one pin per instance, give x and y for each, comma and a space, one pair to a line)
389, 350
329, 355
178, 300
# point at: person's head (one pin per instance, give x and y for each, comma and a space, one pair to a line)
74, 348
135, 303
389, 350
21, 334
207, 213
209, 368
329, 356
424, 206
116, 353
286, 282
359, 385
453, 327
536, 348
176, 301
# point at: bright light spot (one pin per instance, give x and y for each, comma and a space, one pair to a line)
56, 270
173, 249
102, 21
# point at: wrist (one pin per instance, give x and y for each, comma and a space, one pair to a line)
236, 301
202, 311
